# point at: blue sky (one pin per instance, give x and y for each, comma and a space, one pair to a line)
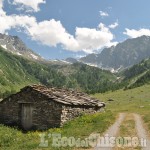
57, 29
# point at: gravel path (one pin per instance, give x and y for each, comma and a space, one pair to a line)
141, 132
112, 131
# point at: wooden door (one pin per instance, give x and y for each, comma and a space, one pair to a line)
26, 116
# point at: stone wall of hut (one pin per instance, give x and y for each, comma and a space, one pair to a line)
46, 113
71, 112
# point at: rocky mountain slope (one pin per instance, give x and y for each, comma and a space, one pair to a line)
14, 45
17, 69
123, 55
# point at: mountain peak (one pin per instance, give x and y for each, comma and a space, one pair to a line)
16, 46
123, 55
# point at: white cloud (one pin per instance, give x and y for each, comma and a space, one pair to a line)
6, 26
52, 33
114, 25
1, 4
16, 21
137, 33
93, 39
1, 8
29, 4
78, 56
111, 44
103, 14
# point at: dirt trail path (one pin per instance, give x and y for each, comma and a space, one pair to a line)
127, 129
112, 131
142, 134
140, 129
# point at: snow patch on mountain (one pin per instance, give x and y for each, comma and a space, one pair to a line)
4, 46
34, 56
18, 54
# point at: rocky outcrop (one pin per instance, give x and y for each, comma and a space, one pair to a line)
121, 56
16, 46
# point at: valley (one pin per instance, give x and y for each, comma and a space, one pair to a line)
17, 71
125, 92
74, 75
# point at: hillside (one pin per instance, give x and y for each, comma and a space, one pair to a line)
17, 72
127, 100
138, 74
12, 74
123, 55
91, 79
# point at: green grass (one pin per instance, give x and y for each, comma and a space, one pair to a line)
134, 101
80, 127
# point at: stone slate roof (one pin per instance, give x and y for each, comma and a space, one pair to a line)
67, 97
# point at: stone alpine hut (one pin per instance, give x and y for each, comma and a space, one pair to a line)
38, 107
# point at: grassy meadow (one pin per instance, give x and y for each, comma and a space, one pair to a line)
131, 101
81, 127
135, 100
